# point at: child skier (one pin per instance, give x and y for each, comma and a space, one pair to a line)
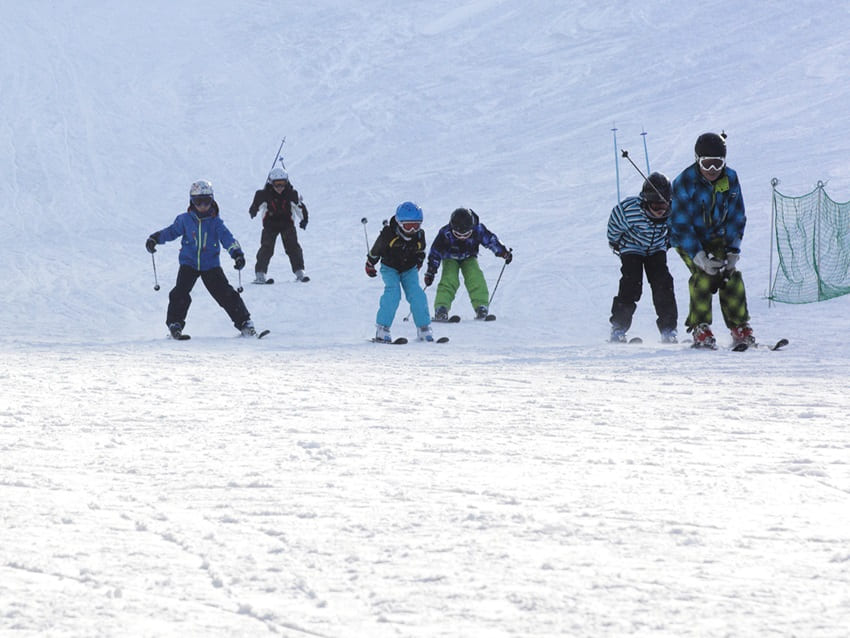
456, 246
400, 247
204, 235
637, 232
277, 200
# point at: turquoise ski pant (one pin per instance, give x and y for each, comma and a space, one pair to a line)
394, 282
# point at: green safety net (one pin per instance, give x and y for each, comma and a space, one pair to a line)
812, 235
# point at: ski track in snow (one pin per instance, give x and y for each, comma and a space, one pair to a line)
326, 498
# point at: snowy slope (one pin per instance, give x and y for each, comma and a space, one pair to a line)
524, 480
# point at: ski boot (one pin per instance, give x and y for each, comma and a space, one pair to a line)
618, 335
441, 314
247, 329
668, 335
259, 277
703, 337
300, 276
424, 333
481, 312
176, 330
382, 333
743, 335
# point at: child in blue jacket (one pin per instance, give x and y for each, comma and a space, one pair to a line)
456, 247
204, 235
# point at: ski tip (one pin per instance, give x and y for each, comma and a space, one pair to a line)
780, 344
262, 333
635, 340
442, 340
490, 318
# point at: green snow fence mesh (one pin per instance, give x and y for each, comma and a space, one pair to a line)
812, 235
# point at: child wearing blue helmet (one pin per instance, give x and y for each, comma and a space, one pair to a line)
400, 247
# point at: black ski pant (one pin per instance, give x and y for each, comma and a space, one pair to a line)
290, 244
216, 283
631, 283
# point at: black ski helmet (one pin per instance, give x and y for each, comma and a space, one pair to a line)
461, 221
710, 145
656, 188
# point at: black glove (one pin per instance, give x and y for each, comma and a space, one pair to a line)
370, 269
252, 213
151, 243
616, 248
303, 224
238, 259
508, 256
429, 278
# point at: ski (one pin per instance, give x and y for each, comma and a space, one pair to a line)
441, 340
742, 347
398, 341
180, 337
261, 283
700, 346
487, 318
262, 333
634, 340
452, 319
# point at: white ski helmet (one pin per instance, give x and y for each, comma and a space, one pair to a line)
201, 187
278, 173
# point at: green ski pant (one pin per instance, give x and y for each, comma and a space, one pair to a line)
473, 279
702, 286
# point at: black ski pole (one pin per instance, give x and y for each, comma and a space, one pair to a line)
277, 155
645, 178
496, 287
365, 221
155, 279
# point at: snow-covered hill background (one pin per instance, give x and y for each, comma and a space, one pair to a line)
526, 479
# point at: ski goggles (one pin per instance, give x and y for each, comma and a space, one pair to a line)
658, 209
465, 235
712, 163
410, 227
202, 201
279, 184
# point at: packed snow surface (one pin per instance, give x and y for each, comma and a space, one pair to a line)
525, 479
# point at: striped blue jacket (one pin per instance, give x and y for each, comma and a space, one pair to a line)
704, 213
631, 231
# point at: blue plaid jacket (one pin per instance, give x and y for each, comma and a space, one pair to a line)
706, 213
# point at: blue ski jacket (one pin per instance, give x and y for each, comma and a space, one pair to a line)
706, 213
630, 230
203, 238
447, 246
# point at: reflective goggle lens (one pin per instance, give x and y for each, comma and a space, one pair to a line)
712, 163
658, 208
410, 226
462, 235
202, 200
